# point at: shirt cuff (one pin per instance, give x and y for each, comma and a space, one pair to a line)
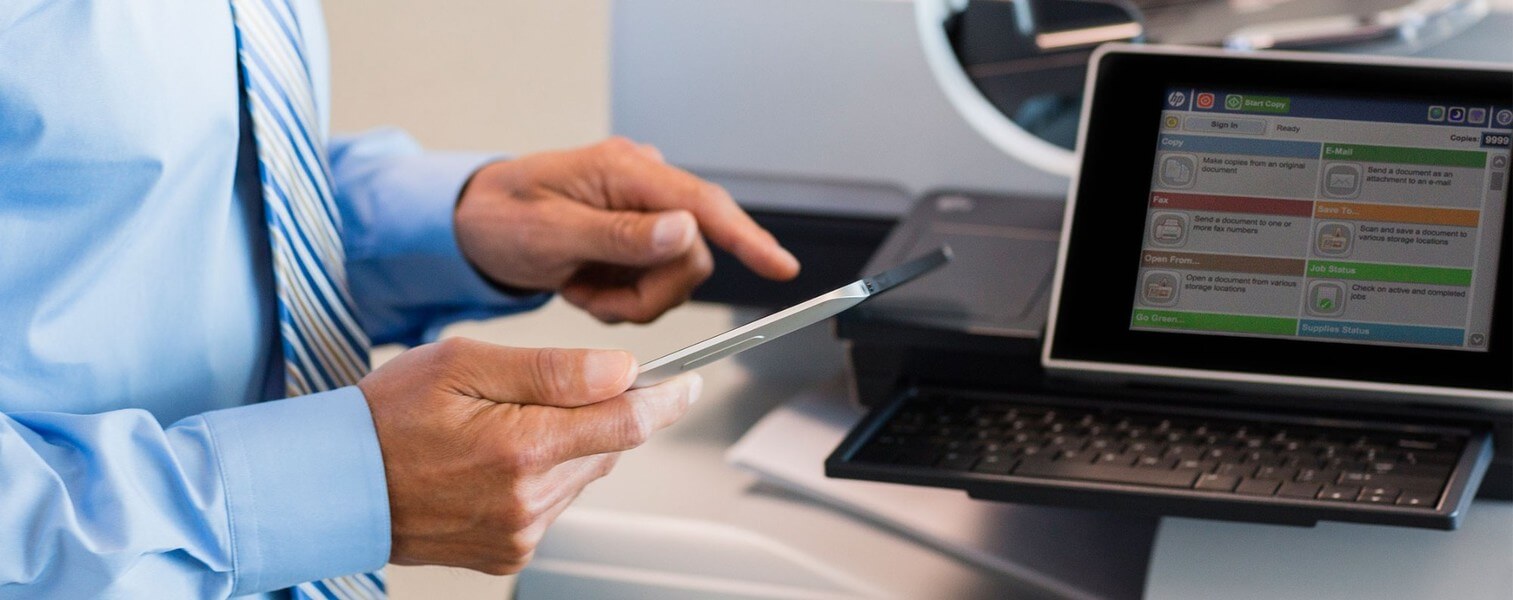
305, 489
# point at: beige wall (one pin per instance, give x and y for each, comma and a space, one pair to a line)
495, 75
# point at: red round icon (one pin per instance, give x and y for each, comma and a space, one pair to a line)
1205, 100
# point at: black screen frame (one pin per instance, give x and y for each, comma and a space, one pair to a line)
1105, 234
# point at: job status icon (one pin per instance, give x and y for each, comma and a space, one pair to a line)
1159, 288
1342, 180
1169, 229
1179, 170
1333, 239
1326, 298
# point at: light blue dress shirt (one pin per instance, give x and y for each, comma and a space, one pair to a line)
137, 320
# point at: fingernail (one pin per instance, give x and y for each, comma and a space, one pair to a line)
670, 231
788, 256
605, 369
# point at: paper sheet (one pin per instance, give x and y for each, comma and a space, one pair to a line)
1050, 548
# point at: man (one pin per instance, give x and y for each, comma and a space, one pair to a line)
181, 244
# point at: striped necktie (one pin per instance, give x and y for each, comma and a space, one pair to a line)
324, 348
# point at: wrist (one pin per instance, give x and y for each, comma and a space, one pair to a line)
462, 219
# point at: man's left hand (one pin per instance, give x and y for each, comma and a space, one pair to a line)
615, 229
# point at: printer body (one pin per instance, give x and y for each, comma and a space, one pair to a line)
833, 123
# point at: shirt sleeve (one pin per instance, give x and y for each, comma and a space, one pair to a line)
231, 502
406, 273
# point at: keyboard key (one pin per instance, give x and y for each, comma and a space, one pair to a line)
1150, 461
994, 465
1184, 452
1217, 483
1420, 499
1316, 476
1101, 472
1435, 471
1422, 484
1416, 457
1235, 469
1340, 493
1257, 487
957, 461
1142, 448
1299, 490
1120, 459
1278, 473
1381, 491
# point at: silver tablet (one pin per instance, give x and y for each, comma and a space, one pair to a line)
788, 320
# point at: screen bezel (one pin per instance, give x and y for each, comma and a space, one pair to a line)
1089, 329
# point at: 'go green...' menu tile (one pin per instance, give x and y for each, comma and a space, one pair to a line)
1170, 319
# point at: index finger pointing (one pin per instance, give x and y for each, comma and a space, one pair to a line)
650, 185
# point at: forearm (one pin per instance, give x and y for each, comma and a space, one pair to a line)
231, 502
404, 267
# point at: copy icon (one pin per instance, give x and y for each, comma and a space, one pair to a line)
1179, 170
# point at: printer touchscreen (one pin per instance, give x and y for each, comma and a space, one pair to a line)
1324, 218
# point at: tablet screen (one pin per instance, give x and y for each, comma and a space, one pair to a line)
1324, 218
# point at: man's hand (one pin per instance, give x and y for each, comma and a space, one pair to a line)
611, 226
483, 446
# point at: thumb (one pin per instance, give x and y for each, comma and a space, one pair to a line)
629, 238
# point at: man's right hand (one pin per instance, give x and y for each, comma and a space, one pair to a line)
484, 445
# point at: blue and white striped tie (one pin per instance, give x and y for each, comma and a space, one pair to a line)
324, 348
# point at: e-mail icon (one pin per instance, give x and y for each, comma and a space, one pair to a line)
1342, 180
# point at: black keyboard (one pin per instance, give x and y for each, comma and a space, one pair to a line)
1336, 467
